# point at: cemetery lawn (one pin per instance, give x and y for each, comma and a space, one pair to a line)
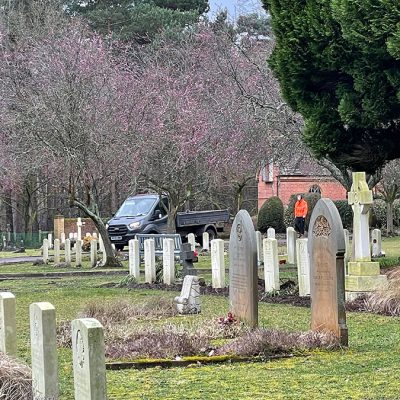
368, 370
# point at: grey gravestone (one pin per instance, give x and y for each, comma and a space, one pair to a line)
243, 270
187, 258
8, 324
326, 246
189, 300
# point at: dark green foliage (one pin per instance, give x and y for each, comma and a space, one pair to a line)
346, 213
141, 21
253, 24
338, 63
310, 198
271, 216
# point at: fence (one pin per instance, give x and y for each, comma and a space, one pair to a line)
13, 240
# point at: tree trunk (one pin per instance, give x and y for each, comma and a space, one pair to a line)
111, 261
389, 218
171, 223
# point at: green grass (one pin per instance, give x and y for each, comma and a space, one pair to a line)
368, 370
391, 246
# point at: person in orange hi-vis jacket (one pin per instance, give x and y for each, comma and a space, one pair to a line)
300, 213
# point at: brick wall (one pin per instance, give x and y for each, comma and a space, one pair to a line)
70, 226
285, 186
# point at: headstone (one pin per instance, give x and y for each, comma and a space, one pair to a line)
363, 274
291, 245
94, 234
326, 248
76, 236
50, 240
303, 267
78, 253
134, 258
168, 261
8, 326
260, 254
347, 249
45, 251
101, 244
187, 258
71, 235
217, 263
271, 233
44, 351
206, 241
62, 237
4, 242
189, 300
243, 270
376, 237
93, 253
57, 253
149, 261
68, 258
89, 364
192, 240
79, 228
271, 265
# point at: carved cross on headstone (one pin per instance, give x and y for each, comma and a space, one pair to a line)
360, 199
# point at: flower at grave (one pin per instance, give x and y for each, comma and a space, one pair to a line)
227, 321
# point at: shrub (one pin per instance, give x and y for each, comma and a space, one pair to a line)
346, 213
271, 216
378, 214
310, 198
15, 379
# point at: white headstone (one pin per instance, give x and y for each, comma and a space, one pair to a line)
62, 237
79, 228
376, 238
291, 245
271, 233
50, 239
94, 234
89, 362
169, 261
71, 235
149, 261
8, 326
303, 267
192, 240
68, 252
189, 300
45, 251
101, 244
57, 253
260, 254
271, 265
75, 235
44, 351
206, 241
134, 258
78, 253
217, 263
88, 234
93, 253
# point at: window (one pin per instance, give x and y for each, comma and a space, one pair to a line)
314, 189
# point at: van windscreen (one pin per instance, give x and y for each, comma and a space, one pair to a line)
135, 207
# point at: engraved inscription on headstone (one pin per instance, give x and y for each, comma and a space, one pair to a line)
326, 246
243, 270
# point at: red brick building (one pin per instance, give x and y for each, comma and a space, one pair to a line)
300, 178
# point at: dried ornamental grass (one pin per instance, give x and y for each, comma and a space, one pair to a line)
15, 380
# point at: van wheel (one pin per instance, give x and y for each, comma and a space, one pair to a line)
211, 234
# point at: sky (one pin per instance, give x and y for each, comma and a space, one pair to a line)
235, 7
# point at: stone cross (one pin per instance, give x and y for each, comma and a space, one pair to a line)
271, 233
291, 245
271, 265
206, 241
89, 364
78, 253
217, 263
8, 326
303, 267
50, 239
189, 300
376, 238
68, 258
192, 240
93, 253
243, 270
45, 251
149, 261
134, 258
259, 248
44, 351
168, 261
57, 254
79, 228
326, 247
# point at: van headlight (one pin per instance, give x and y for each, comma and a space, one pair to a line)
107, 226
134, 225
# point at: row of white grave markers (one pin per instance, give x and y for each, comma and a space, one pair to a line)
259, 239
87, 350
67, 256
